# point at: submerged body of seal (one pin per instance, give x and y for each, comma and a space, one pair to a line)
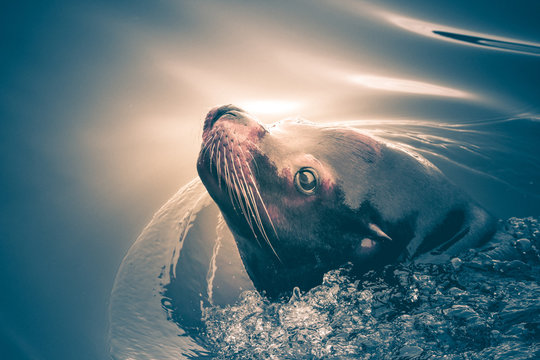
302, 199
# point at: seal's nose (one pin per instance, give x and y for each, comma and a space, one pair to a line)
217, 112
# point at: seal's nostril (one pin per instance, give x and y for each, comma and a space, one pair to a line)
217, 112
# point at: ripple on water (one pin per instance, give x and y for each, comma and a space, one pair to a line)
484, 305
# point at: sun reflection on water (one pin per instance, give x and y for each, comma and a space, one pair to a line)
462, 36
406, 86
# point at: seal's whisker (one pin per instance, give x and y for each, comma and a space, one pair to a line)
207, 149
252, 198
219, 167
225, 173
239, 194
264, 207
248, 215
244, 195
211, 157
207, 145
248, 206
255, 211
254, 162
228, 178
231, 185
252, 158
267, 215
240, 199
256, 214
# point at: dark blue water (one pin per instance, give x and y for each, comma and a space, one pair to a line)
101, 107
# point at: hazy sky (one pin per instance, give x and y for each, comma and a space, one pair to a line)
101, 106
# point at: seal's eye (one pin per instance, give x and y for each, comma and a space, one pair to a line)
306, 180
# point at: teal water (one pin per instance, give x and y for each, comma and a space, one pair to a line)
101, 108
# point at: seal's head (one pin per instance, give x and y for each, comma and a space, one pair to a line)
282, 192
302, 199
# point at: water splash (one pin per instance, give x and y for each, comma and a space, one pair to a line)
139, 325
482, 305
211, 275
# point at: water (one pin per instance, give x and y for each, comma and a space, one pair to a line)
481, 306
101, 110
182, 292
463, 94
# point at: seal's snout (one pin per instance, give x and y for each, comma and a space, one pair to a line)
216, 113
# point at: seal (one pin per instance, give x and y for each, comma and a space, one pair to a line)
301, 199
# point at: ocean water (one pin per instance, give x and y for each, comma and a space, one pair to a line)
101, 110
463, 94
482, 305
182, 293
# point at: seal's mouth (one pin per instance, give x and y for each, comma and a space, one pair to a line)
225, 166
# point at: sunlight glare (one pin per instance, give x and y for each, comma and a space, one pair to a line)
406, 86
270, 107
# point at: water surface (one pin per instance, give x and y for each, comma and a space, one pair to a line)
102, 106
